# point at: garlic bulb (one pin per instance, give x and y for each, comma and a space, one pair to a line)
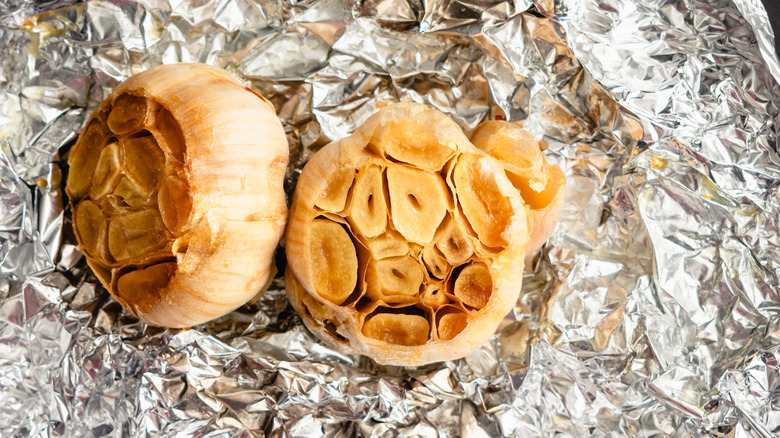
541, 185
176, 185
405, 242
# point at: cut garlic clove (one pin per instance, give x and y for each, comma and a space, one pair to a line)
142, 287
335, 261
418, 202
175, 203
434, 261
90, 223
145, 161
108, 171
420, 187
397, 329
390, 244
368, 208
334, 197
133, 235
393, 280
474, 285
83, 160
130, 194
434, 295
167, 132
181, 162
454, 244
451, 324
411, 142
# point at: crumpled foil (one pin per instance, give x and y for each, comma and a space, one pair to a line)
652, 311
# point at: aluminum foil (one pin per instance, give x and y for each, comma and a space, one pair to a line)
652, 311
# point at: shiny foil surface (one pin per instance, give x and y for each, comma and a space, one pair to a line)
652, 311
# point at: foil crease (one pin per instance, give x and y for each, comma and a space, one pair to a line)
652, 311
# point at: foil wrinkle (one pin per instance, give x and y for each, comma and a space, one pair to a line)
654, 309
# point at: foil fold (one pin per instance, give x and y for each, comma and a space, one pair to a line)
652, 311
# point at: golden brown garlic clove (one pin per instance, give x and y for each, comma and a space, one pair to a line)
175, 203
451, 323
454, 243
335, 260
334, 197
438, 234
541, 185
397, 328
108, 171
389, 244
488, 210
89, 223
474, 285
368, 208
177, 191
394, 280
134, 235
418, 202
434, 261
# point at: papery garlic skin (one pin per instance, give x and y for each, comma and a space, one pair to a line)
541, 185
182, 221
410, 206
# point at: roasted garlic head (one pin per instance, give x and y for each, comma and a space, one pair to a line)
176, 187
405, 242
541, 185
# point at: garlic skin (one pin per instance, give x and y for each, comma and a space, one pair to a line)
542, 186
405, 242
176, 187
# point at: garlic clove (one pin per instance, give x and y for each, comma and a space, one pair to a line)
453, 243
368, 208
436, 264
474, 285
389, 244
84, 159
451, 325
418, 202
128, 114
541, 185
487, 209
175, 203
393, 279
335, 261
108, 171
411, 142
398, 329
135, 234
145, 161
334, 196
90, 224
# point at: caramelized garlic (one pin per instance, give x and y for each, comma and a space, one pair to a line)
405, 242
541, 185
176, 184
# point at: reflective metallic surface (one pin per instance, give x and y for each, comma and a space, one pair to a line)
652, 311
